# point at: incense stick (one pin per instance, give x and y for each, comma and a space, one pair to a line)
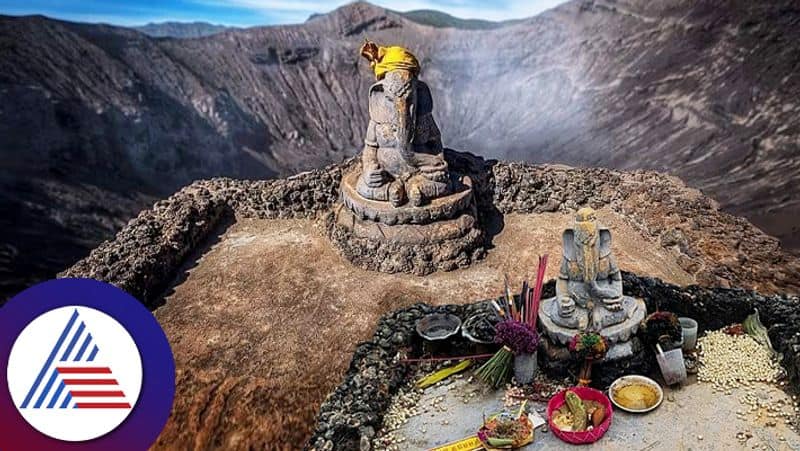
537, 291
444, 358
499, 309
510, 300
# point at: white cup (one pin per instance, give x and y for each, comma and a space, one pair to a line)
689, 328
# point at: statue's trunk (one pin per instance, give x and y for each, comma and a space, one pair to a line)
587, 252
406, 125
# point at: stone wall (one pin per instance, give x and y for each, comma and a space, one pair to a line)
354, 410
144, 257
717, 248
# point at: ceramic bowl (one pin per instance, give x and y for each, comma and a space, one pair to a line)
438, 326
635, 379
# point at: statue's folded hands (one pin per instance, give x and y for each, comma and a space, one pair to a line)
374, 175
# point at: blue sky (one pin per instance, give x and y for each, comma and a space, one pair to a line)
252, 12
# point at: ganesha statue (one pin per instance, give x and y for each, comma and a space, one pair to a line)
589, 294
403, 159
404, 208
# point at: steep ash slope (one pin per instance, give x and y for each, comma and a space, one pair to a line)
180, 29
705, 90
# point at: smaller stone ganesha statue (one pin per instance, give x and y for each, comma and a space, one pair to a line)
402, 161
589, 285
589, 294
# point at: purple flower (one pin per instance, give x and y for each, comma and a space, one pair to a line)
520, 337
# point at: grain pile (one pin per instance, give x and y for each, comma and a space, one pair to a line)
733, 361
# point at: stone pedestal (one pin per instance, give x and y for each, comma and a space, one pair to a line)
618, 335
440, 235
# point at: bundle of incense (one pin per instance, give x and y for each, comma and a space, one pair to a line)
512, 307
496, 371
533, 301
523, 300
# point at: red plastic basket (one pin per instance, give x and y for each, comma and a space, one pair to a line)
582, 437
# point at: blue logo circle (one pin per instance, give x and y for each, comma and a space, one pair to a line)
87, 367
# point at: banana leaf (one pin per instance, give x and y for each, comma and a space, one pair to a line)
752, 326
435, 377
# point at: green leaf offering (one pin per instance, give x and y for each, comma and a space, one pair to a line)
435, 377
496, 370
752, 326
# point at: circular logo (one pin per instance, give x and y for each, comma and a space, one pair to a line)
87, 367
87, 362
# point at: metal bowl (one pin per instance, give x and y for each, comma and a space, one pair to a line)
438, 326
465, 328
635, 379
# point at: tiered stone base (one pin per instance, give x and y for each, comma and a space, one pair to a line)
619, 335
439, 236
445, 207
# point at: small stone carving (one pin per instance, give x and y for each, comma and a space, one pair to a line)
589, 288
589, 279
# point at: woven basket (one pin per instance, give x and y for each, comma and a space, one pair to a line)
517, 444
582, 437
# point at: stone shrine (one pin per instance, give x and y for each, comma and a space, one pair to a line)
403, 209
589, 291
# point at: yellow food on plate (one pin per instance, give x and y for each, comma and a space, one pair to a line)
636, 396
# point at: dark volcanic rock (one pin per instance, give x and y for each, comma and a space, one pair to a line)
702, 89
144, 256
358, 404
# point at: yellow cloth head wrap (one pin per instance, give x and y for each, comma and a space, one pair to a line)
390, 58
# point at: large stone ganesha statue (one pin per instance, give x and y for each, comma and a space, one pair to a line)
402, 161
402, 209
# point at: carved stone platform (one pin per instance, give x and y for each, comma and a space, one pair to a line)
618, 335
443, 234
445, 207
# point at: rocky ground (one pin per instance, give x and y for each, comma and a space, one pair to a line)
680, 423
258, 368
701, 89
254, 268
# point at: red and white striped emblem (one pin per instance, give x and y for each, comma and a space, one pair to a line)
74, 373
